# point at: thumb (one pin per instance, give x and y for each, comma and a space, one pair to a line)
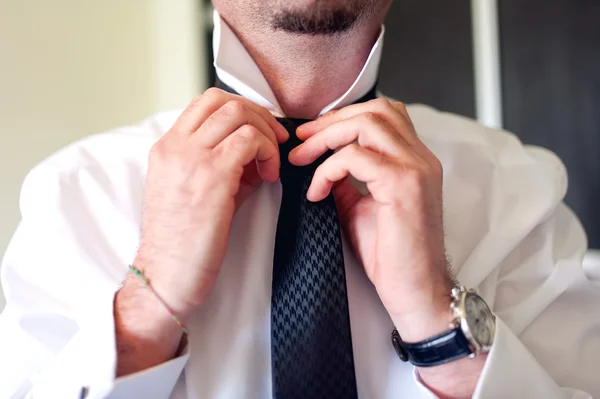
346, 196
249, 182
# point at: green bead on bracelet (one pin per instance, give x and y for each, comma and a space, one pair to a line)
174, 316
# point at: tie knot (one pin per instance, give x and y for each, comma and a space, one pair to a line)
292, 174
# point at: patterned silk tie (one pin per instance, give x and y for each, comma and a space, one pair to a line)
311, 343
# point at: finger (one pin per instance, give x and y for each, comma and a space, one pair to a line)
368, 129
226, 120
202, 107
280, 131
192, 116
401, 107
346, 196
381, 107
354, 160
247, 144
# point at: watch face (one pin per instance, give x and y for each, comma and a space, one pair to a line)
479, 319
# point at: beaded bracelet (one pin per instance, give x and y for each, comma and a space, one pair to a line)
147, 283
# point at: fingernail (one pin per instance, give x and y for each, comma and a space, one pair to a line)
306, 126
284, 132
292, 156
309, 194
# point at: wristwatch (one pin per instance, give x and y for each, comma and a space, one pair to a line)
471, 333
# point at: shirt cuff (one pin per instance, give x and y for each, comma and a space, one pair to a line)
86, 366
156, 382
510, 371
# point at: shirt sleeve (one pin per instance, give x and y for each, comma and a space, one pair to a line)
60, 274
547, 340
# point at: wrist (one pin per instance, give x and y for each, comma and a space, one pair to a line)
145, 332
181, 288
166, 285
455, 374
429, 315
424, 323
140, 309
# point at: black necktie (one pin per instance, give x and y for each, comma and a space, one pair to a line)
311, 343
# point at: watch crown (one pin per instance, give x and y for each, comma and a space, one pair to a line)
456, 292
455, 310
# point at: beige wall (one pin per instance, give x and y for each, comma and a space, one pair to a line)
69, 68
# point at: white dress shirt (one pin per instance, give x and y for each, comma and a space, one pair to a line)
507, 232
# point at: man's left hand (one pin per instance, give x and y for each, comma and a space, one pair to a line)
396, 230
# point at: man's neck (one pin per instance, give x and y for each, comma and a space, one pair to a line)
306, 72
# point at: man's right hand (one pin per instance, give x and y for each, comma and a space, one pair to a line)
218, 152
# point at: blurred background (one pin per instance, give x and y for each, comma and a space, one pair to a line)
72, 68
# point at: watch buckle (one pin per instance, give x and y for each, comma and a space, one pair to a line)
398, 347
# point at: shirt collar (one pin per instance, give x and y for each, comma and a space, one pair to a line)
236, 68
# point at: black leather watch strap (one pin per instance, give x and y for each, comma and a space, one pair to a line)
443, 348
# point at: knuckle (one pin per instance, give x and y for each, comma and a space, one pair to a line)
196, 99
382, 102
213, 91
221, 150
329, 114
168, 159
195, 103
249, 133
414, 178
371, 117
353, 149
436, 170
234, 107
221, 155
213, 94
157, 151
437, 166
400, 106
385, 105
